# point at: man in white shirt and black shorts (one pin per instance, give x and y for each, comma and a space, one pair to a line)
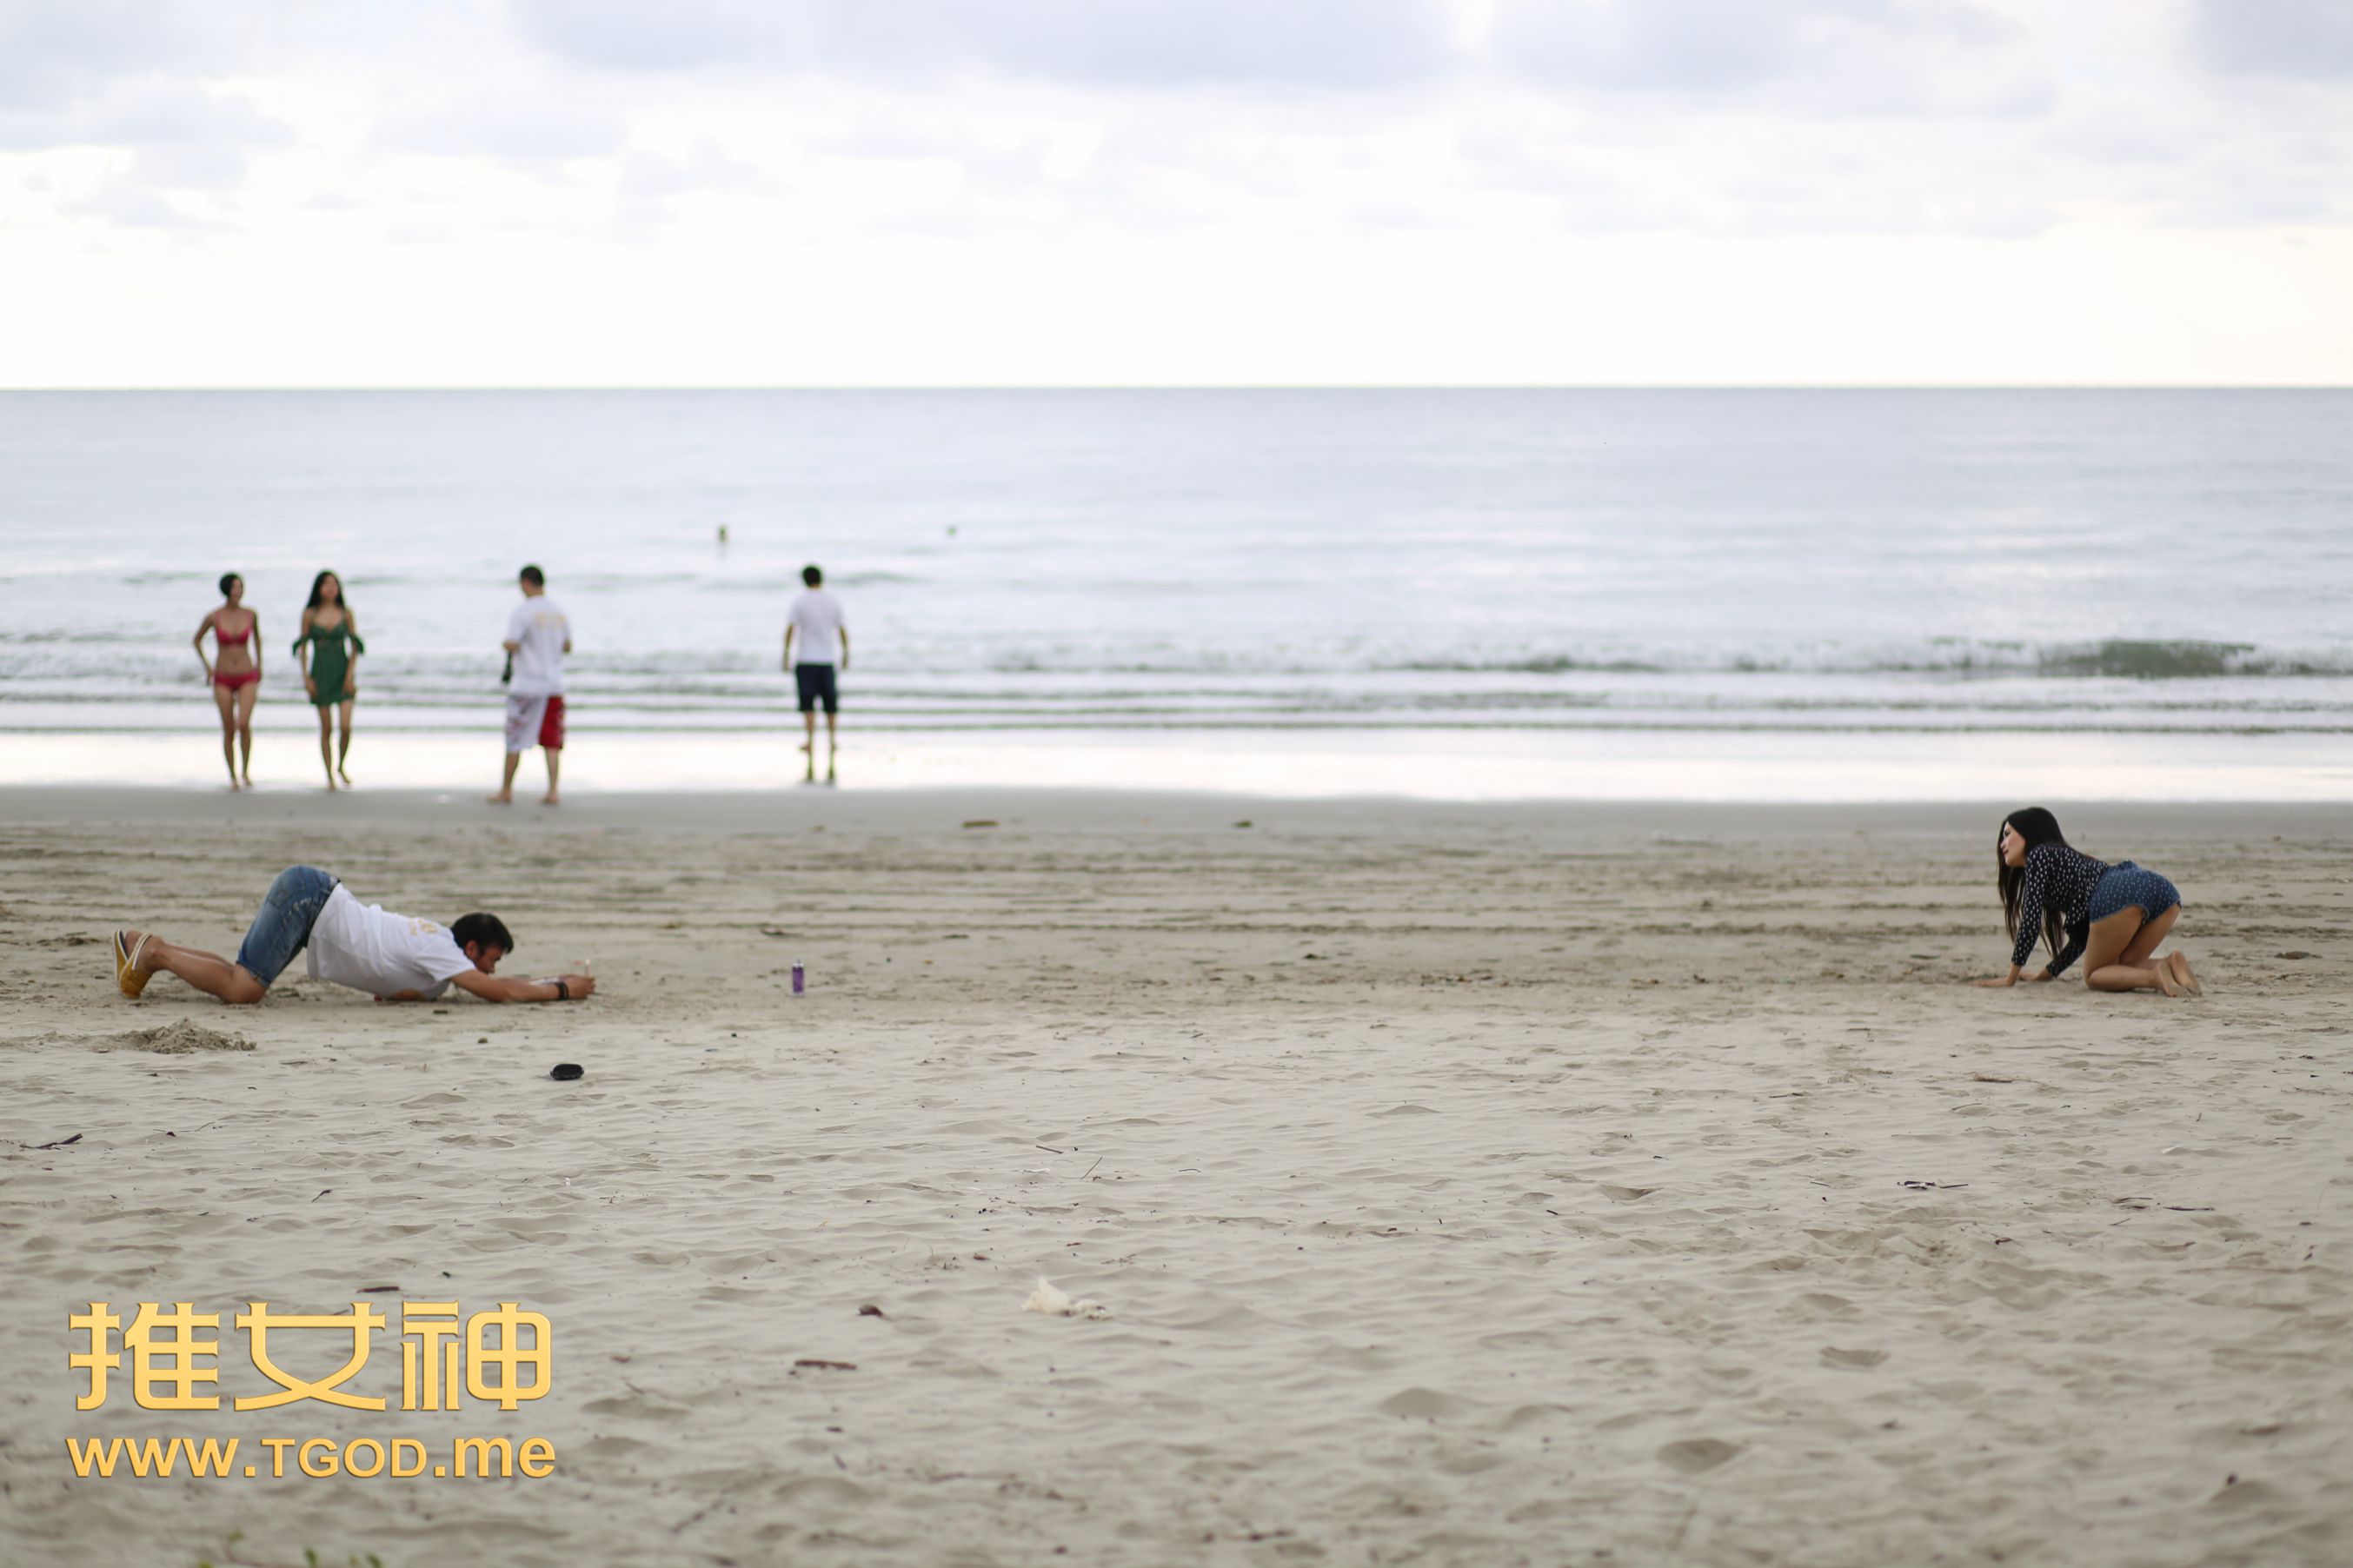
393, 958
539, 635
816, 623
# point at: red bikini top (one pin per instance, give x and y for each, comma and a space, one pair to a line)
221, 634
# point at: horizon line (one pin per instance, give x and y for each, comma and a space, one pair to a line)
917, 386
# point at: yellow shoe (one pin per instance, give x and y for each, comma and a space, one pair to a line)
128, 976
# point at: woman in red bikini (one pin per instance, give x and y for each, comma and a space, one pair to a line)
235, 675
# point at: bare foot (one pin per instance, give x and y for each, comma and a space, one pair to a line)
2179, 964
331, 783
2165, 981
347, 775
551, 798
505, 798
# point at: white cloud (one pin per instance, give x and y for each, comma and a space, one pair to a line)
134, 204
52, 53
526, 129
1099, 42
135, 79
180, 121
1882, 57
699, 157
2311, 39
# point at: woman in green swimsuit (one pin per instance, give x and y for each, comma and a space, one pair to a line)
330, 674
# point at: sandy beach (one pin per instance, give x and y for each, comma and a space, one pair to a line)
1477, 1184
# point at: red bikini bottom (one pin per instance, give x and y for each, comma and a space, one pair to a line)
235, 678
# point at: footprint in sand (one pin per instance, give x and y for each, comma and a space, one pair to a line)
1833, 1356
637, 1406
1693, 1455
1423, 1403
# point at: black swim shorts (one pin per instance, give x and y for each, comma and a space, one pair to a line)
816, 681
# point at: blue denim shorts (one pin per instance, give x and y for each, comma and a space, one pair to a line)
2125, 884
282, 929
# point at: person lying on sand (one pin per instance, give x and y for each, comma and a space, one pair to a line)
2112, 917
392, 957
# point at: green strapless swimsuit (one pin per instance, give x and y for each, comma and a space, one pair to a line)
331, 660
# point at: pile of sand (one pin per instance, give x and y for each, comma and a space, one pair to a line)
177, 1038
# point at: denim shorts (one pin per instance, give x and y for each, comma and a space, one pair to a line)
282, 929
2125, 884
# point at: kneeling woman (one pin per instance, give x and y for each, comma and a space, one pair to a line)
2112, 917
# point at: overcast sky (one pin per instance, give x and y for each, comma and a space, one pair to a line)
896, 192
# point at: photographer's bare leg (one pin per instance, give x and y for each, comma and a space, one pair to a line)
207, 971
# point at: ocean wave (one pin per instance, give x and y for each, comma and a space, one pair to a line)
2128, 659
965, 673
787, 584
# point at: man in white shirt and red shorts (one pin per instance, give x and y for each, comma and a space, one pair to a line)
539, 635
393, 958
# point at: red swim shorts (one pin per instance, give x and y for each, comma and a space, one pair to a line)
534, 721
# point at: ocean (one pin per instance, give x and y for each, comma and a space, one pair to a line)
1776, 594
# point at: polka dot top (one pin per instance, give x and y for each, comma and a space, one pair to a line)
2057, 878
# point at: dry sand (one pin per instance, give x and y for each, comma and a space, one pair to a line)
1464, 1184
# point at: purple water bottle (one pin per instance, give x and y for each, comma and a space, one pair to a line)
798, 986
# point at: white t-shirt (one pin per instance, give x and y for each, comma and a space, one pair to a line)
816, 621
538, 625
370, 949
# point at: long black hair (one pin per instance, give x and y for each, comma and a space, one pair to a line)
320, 581
2037, 828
